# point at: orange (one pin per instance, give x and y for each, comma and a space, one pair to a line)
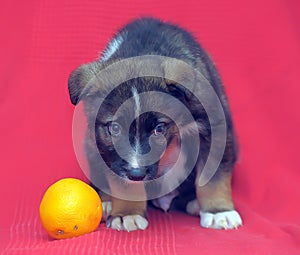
70, 208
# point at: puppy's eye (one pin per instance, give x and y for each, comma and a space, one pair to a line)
160, 129
114, 128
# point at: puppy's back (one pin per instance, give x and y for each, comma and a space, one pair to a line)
149, 36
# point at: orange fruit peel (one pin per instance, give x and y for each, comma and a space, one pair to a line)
70, 208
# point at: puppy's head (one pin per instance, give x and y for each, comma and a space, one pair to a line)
125, 123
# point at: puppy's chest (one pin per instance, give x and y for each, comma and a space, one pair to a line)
166, 164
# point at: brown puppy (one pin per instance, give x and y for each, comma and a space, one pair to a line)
158, 118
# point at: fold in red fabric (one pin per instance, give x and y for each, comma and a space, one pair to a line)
256, 47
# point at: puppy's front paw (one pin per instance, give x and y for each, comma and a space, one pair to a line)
127, 223
221, 220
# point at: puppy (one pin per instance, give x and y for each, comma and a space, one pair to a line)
160, 69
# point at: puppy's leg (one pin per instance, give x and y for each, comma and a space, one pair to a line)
215, 203
127, 215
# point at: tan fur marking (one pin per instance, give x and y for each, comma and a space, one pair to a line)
215, 196
124, 207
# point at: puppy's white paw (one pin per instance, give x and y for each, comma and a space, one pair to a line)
221, 220
106, 209
193, 207
127, 223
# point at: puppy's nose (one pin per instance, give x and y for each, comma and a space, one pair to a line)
136, 174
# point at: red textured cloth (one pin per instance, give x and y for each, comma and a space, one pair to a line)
256, 46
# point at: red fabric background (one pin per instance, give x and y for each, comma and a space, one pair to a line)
256, 46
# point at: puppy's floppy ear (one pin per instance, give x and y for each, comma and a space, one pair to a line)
179, 77
182, 81
78, 80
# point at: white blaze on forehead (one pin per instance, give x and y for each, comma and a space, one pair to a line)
137, 102
134, 161
112, 47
